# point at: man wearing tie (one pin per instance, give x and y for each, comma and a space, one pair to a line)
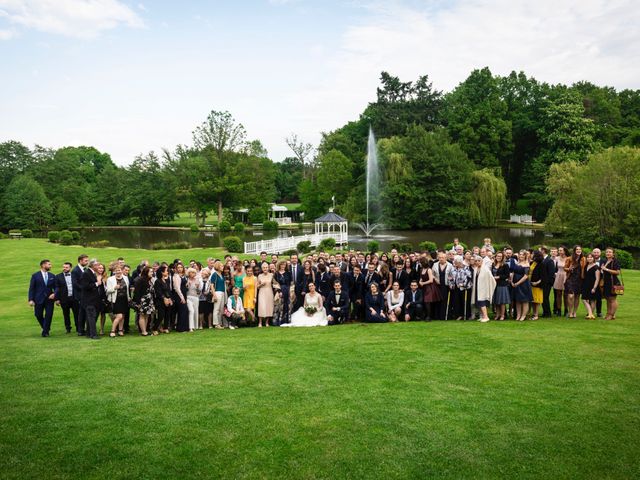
356, 292
548, 277
90, 283
297, 280
64, 296
337, 304
76, 275
371, 277
42, 295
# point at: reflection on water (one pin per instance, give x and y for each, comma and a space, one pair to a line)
145, 237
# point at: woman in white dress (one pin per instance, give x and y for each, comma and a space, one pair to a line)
303, 318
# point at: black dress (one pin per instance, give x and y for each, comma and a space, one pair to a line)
588, 282
609, 279
121, 305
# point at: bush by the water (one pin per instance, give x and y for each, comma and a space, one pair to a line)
194, 228
54, 236
98, 244
238, 227
26, 233
182, 245
224, 226
270, 225
428, 246
75, 235
401, 247
304, 246
257, 215
233, 244
624, 257
66, 238
327, 244
373, 246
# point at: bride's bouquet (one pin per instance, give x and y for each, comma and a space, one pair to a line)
310, 309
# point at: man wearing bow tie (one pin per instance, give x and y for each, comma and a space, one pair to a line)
64, 296
41, 296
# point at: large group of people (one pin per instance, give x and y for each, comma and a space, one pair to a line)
325, 289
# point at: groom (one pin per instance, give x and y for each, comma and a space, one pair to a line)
337, 304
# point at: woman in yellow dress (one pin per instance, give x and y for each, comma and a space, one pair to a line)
249, 297
535, 277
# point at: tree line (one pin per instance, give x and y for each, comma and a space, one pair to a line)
459, 159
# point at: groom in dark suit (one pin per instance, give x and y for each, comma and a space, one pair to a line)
76, 275
548, 276
64, 296
297, 279
413, 303
42, 295
337, 305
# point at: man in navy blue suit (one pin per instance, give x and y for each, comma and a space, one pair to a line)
42, 296
337, 304
297, 279
76, 275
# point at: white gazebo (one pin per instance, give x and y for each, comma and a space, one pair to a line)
332, 225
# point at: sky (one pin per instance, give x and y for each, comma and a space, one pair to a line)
128, 77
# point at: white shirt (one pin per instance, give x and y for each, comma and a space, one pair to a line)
67, 279
239, 307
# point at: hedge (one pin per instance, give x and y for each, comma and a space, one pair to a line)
304, 246
269, 225
233, 244
428, 246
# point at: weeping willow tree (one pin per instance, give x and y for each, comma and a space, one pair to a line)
488, 198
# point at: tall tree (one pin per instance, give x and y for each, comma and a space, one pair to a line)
221, 132
476, 119
303, 151
26, 205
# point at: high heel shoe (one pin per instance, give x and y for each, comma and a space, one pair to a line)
112, 334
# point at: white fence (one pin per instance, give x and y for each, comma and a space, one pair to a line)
279, 245
283, 220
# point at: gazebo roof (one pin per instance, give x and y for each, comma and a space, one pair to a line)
330, 217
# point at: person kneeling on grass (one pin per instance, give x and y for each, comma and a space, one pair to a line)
413, 303
235, 309
374, 306
483, 287
337, 304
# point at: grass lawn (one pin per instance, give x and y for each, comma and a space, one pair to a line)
548, 399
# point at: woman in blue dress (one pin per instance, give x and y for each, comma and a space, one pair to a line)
521, 286
374, 305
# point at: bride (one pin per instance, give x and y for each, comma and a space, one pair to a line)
304, 316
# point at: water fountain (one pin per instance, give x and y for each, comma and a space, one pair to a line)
372, 183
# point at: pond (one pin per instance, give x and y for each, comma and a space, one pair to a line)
144, 237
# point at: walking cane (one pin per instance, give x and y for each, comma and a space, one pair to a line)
465, 304
446, 314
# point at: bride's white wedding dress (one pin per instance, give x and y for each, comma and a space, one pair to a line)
300, 318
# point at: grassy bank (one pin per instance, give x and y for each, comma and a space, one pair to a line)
547, 399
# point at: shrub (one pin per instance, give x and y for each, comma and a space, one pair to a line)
290, 252
238, 227
304, 246
54, 236
500, 246
624, 257
66, 238
395, 245
373, 245
406, 247
270, 225
26, 233
194, 228
225, 226
171, 245
98, 244
257, 215
449, 246
233, 244
327, 244
3, 236
75, 235
428, 246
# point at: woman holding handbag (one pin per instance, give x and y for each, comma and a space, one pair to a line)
613, 285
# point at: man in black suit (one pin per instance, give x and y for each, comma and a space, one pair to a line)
42, 295
356, 292
337, 304
339, 275
297, 279
76, 276
413, 304
64, 297
548, 276
89, 283
371, 277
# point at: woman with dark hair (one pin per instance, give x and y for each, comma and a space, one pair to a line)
283, 277
395, 302
386, 278
143, 297
610, 273
535, 277
374, 305
574, 268
353, 261
117, 291
406, 275
164, 302
323, 279
309, 276
521, 286
559, 295
430, 291
501, 297
591, 285
179, 297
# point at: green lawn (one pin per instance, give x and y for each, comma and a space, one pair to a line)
546, 399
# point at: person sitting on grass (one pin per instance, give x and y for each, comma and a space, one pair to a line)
235, 309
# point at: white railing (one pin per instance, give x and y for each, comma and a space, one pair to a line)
521, 219
279, 245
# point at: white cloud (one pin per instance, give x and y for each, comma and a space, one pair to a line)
73, 18
6, 34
